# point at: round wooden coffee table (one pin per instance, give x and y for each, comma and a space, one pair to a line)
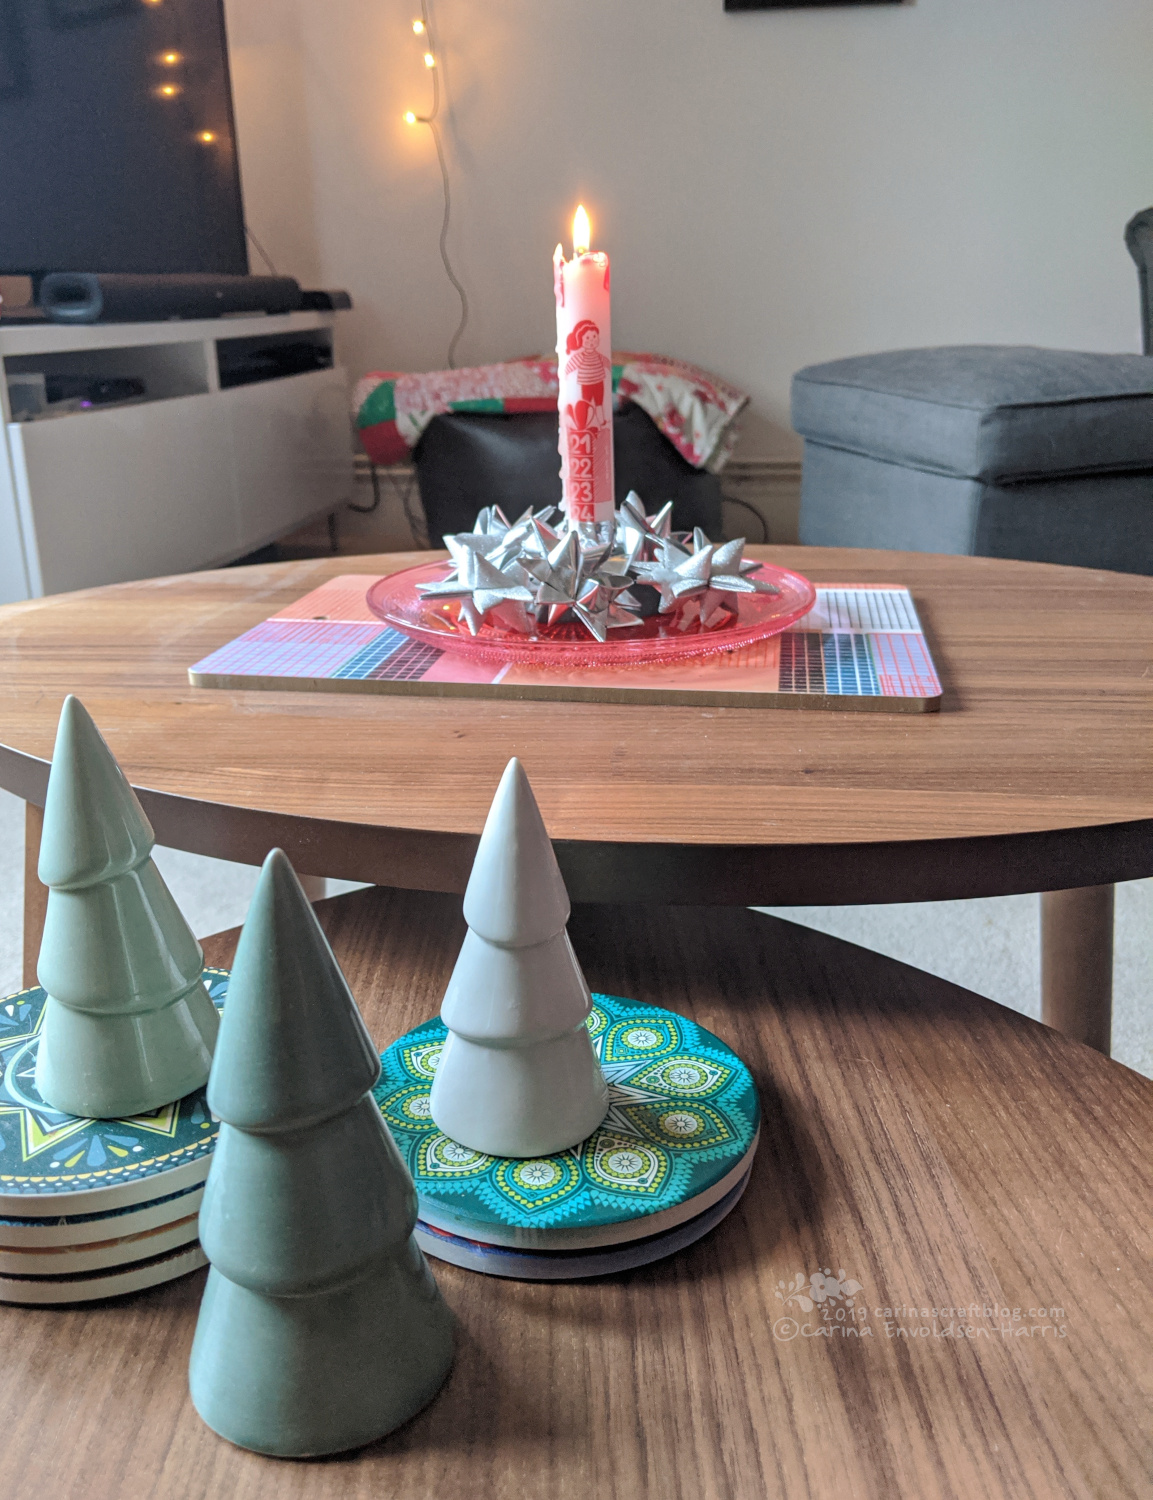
936, 1285
1037, 774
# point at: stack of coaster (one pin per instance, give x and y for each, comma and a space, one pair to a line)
670, 1160
93, 1208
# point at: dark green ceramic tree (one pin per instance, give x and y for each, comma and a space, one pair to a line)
321, 1327
128, 1026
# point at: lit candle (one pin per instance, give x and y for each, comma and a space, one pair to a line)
585, 378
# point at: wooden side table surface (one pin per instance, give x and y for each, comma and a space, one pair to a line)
1037, 774
986, 1182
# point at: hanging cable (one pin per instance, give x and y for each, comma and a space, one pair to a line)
261, 251
423, 29
402, 486
753, 511
417, 524
367, 510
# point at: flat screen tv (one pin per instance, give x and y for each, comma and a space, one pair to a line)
117, 147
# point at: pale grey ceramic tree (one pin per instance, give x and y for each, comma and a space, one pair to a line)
518, 1075
321, 1327
128, 1025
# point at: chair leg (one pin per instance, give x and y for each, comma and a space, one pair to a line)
1077, 964
35, 894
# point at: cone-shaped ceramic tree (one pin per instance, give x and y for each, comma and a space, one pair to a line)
128, 1025
518, 1075
321, 1327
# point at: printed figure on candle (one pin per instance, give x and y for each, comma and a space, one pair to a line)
589, 366
584, 374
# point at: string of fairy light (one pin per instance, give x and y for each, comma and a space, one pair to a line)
422, 30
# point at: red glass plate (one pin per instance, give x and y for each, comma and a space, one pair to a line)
660, 638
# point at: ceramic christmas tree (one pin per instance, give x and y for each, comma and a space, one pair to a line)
518, 1075
128, 1026
321, 1327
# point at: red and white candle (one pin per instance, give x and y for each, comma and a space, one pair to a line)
585, 376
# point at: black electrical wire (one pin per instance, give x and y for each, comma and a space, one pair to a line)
753, 511
261, 251
367, 510
416, 526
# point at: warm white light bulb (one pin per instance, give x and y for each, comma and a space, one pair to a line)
418, 27
429, 60
409, 117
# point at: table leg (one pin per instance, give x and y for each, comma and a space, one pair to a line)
35, 894
1077, 964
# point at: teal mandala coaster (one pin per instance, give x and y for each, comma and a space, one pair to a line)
681, 1130
52, 1163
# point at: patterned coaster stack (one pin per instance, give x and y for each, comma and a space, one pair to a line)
93, 1208
669, 1161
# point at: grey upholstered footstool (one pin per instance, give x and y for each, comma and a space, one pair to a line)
1041, 454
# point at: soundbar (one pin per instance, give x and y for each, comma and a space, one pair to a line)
90, 297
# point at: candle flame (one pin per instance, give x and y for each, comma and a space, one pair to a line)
580, 231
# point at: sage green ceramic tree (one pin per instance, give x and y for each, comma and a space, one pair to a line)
128, 1025
321, 1327
518, 1075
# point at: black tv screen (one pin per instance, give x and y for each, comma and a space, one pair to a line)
117, 148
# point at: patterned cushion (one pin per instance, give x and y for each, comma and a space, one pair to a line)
696, 411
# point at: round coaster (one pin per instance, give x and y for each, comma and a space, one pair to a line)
680, 1132
54, 1164
563, 1265
110, 1283
85, 1229
71, 1260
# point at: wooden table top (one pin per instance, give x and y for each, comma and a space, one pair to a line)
1036, 774
927, 1144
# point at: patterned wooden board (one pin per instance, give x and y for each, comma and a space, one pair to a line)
681, 1131
860, 647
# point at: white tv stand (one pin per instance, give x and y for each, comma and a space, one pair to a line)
193, 474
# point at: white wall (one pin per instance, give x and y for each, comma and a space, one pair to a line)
775, 188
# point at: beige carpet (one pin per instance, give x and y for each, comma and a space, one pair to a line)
989, 946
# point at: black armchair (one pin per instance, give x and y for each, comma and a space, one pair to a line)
465, 461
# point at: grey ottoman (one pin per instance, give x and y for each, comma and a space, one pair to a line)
1041, 454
